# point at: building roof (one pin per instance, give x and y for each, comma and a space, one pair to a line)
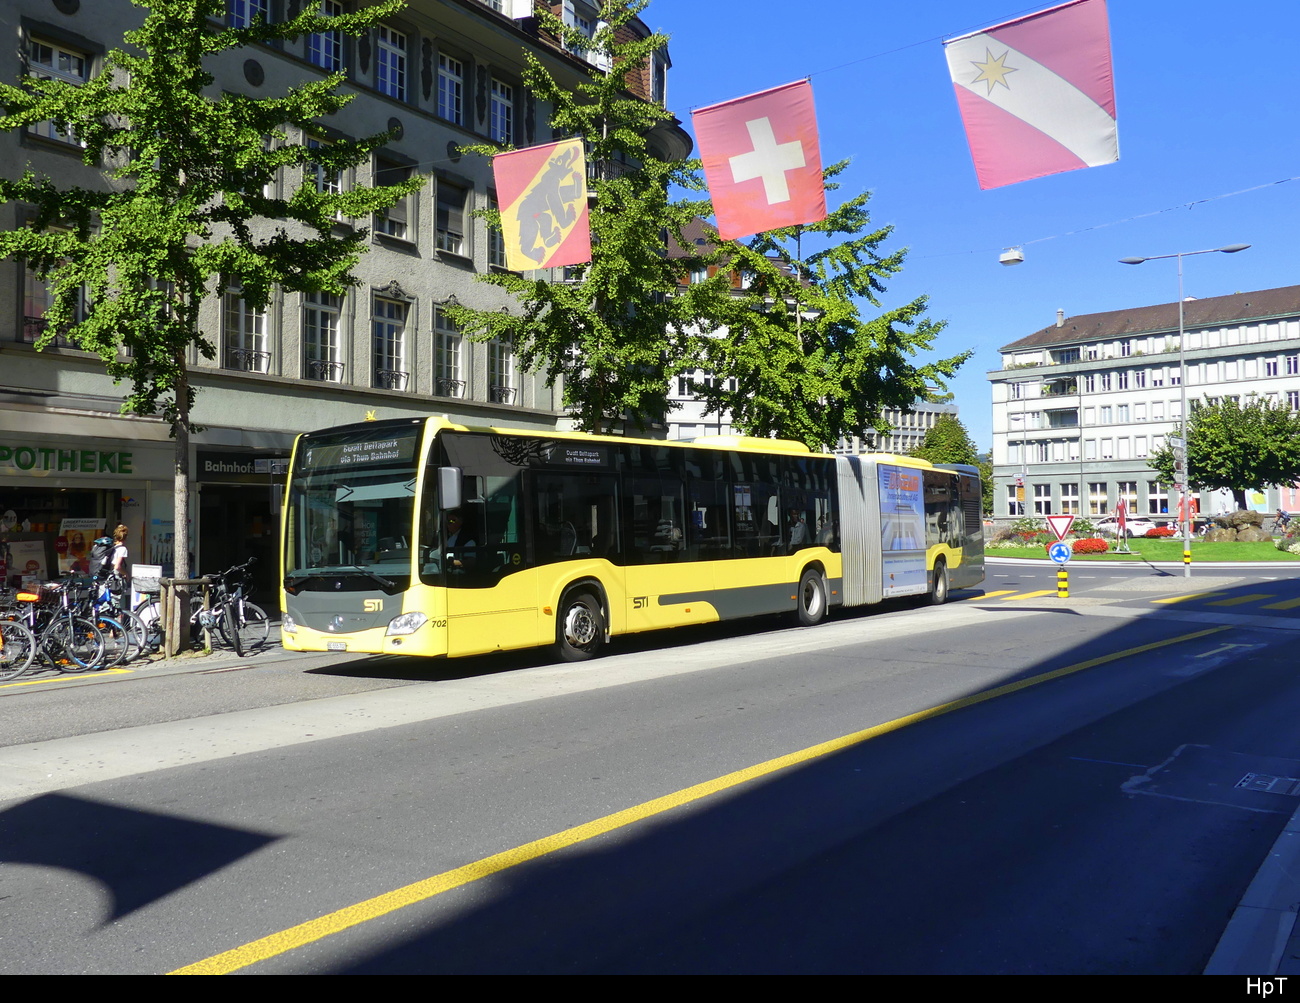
1197, 313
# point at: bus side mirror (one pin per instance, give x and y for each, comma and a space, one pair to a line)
449, 488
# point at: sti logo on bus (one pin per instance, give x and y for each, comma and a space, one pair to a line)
903, 482
372, 605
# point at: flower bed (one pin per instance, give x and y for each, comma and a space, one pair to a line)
1160, 532
1090, 546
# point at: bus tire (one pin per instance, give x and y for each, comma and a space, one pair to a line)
580, 630
939, 591
811, 598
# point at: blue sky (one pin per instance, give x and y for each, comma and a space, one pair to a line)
1206, 97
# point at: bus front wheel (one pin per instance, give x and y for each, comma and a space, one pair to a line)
811, 598
581, 629
939, 594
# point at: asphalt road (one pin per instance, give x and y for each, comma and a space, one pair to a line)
1011, 783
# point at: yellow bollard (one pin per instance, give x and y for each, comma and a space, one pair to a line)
1062, 584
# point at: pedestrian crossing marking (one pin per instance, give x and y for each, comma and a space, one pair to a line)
1238, 600
1287, 604
1188, 597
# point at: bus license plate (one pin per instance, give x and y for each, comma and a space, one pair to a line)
336, 645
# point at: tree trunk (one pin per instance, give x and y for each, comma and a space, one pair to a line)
178, 629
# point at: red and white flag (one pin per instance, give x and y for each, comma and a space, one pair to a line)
762, 160
1037, 94
542, 192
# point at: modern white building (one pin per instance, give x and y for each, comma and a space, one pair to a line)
441, 74
1080, 406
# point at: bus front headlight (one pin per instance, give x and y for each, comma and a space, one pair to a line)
406, 623
288, 625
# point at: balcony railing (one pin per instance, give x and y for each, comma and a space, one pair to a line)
448, 387
501, 395
34, 328
248, 360
391, 379
326, 372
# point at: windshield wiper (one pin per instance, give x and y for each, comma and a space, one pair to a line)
292, 581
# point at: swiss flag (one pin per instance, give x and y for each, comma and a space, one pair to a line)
762, 160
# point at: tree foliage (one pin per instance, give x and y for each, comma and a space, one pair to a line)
611, 330
1237, 446
175, 218
947, 441
807, 364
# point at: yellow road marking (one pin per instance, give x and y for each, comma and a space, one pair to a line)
1238, 600
68, 677
988, 595
381, 905
1189, 596
1287, 604
1030, 595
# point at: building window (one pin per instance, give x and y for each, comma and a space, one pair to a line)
1121, 380
1089, 449
1157, 377
1017, 391
328, 181
501, 372
496, 240
1108, 449
1140, 379
246, 13
1128, 494
447, 351
388, 349
501, 123
49, 61
451, 218
1070, 499
398, 219
1293, 400
325, 49
1293, 365
1106, 412
245, 336
1140, 447
451, 89
1270, 367
1089, 384
1156, 504
1013, 500
1105, 381
320, 326
1121, 414
1125, 348
390, 62
1042, 499
1097, 498
36, 303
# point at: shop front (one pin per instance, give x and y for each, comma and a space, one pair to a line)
240, 494
57, 494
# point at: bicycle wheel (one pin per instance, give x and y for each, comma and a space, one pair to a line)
17, 649
118, 646
136, 630
253, 631
73, 644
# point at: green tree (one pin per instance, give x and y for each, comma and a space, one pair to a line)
612, 330
807, 364
947, 441
1237, 446
180, 213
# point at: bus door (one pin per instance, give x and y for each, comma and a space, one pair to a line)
492, 597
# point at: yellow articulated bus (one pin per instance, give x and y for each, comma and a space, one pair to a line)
423, 537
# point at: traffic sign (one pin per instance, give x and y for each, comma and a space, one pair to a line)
1059, 552
1060, 525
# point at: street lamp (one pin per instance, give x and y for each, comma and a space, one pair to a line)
1182, 383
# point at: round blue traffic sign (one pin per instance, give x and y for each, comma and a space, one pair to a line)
1060, 552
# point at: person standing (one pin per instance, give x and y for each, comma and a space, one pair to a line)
118, 568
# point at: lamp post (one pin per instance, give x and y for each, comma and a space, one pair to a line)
1182, 385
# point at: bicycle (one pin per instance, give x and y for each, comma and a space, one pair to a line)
17, 649
241, 625
68, 642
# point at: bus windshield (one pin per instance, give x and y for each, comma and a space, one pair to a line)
351, 508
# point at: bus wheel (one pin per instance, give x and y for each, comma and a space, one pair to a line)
812, 598
581, 628
939, 594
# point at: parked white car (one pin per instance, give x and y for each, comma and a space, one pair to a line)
1109, 526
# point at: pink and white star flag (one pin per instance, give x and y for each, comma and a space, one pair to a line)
762, 160
1037, 95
